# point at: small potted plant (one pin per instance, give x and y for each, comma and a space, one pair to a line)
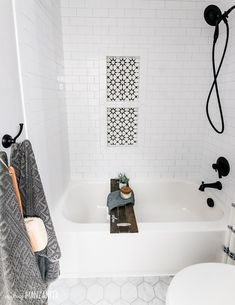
123, 180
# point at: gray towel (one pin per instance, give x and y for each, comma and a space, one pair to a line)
20, 278
35, 204
115, 200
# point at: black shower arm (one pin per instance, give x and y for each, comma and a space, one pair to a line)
230, 10
224, 16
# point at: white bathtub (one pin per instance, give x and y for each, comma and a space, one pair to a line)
176, 229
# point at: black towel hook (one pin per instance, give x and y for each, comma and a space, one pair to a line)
7, 140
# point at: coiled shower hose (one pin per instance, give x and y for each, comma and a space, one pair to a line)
215, 75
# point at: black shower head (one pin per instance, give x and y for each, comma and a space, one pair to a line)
212, 15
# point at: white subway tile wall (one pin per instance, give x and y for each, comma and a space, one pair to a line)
174, 44
41, 58
172, 40
216, 145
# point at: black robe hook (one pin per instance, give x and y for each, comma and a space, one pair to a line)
7, 140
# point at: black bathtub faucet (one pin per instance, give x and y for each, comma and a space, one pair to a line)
217, 185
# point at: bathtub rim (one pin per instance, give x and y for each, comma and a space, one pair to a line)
63, 224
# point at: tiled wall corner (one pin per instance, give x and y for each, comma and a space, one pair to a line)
41, 58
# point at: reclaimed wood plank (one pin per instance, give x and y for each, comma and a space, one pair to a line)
124, 214
114, 186
130, 217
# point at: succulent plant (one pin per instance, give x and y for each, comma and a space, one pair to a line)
123, 178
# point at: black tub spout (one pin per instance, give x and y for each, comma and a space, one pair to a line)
217, 185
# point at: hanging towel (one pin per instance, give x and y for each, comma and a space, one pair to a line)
229, 244
115, 200
20, 279
35, 205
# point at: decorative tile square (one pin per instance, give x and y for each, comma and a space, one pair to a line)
122, 126
122, 78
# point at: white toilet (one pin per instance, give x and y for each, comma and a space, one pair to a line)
203, 284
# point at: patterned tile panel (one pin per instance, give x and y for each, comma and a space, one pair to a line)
122, 126
122, 78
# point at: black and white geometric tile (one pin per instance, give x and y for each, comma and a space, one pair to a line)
122, 126
122, 78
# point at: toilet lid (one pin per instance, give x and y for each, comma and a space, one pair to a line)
203, 284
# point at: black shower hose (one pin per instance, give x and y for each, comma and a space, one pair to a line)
215, 75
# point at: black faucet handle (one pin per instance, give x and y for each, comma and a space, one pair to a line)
215, 167
222, 167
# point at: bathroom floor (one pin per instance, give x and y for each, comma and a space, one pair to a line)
107, 291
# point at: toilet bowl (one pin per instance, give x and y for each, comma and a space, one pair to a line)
203, 284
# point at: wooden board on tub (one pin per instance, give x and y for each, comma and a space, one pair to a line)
124, 214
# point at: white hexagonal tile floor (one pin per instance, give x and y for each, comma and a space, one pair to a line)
129, 292
110, 291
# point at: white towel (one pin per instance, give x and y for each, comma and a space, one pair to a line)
229, 243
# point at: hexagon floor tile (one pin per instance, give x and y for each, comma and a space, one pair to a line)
112, 292
146, 292
129, 292
109, 291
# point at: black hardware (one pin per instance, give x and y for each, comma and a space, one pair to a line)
210, 202
222, 166
212, 15
7, 140
217, 185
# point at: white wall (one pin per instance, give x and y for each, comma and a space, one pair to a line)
217, 145
41, 57
172, 41
10, 104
